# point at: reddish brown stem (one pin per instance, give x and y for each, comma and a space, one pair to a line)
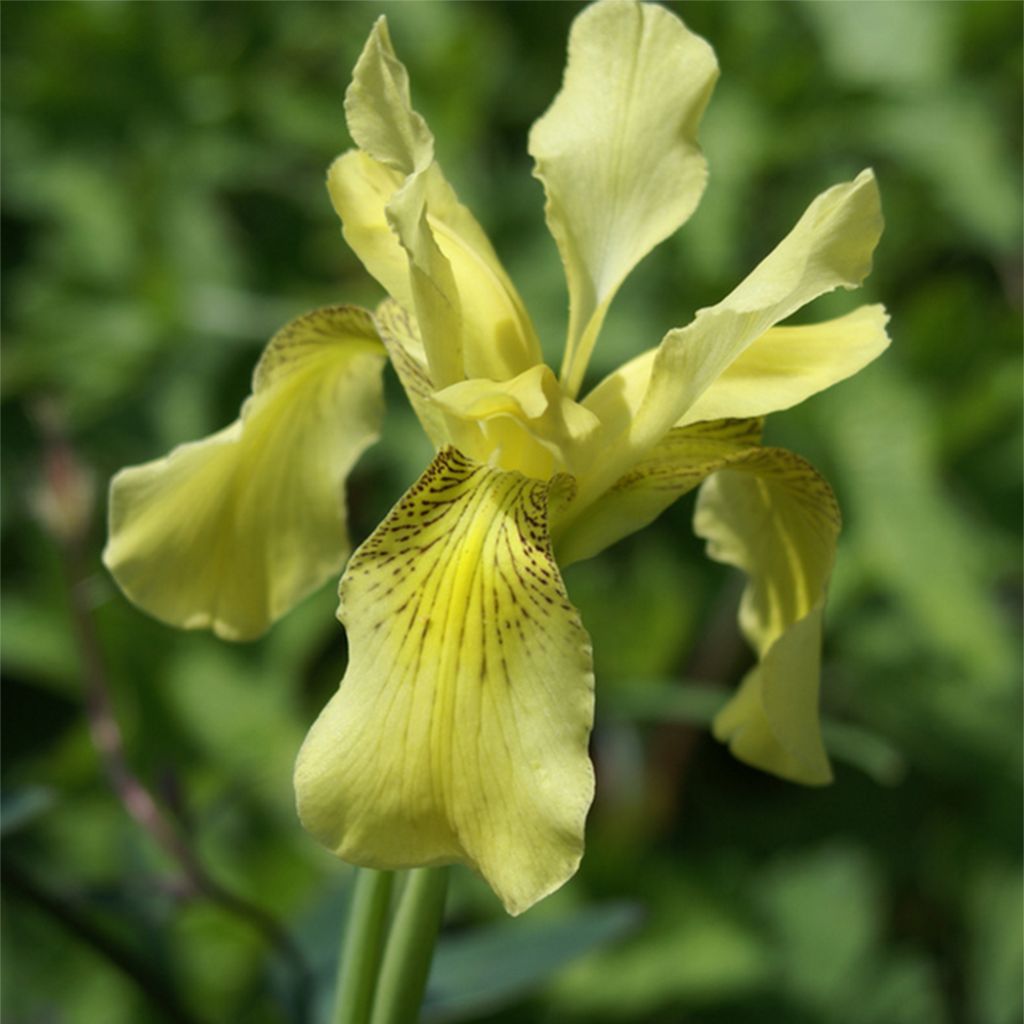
70, 531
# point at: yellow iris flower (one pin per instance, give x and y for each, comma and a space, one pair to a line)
460, 730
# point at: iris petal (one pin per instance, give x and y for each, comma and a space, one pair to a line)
788, 364
677, 465
405, 222
460, 729
829, 247
526, 424
780, 369
773, 516
397, 329
228, 533
617, 153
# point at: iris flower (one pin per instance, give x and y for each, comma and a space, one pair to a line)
460, 730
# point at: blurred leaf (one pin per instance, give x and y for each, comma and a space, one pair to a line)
825, 907
662, 700
19, 808
37, 642
895, 45
488, 968
641, 608
958, 146
734, 139
216, 951
905, 990
996, 967
906, 532
827, 911
243, 715
872, 754
696, 949
319, 932
698, 703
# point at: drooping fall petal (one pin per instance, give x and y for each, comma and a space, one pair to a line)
460, 729
773, 516
617, 153
231, 531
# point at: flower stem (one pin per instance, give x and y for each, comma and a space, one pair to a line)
363, 946
410, 948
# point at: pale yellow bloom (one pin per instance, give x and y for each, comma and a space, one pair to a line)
460, 730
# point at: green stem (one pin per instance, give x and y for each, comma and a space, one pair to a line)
410, 948
363, 946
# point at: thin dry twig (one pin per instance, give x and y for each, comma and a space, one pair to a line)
65, 506
63, 909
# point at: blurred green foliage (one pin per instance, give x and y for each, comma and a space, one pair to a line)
164, 212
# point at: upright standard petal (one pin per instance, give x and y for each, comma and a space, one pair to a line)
830, 247
404, 221
384, 125
773, 516
617, 153
460, 729
230, 532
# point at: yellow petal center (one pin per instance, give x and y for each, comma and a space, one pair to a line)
527, 424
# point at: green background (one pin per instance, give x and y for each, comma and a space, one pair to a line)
164, 212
